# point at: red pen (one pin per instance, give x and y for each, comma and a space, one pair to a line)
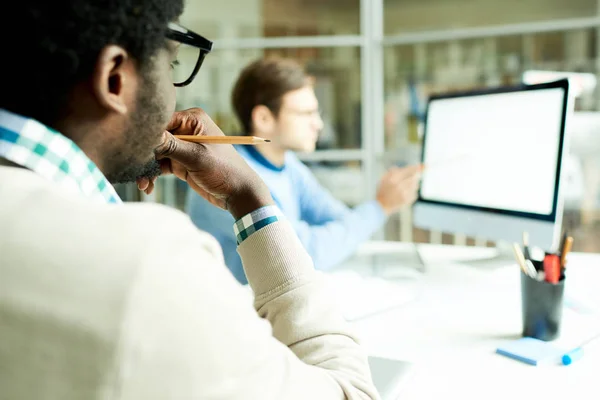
552, 268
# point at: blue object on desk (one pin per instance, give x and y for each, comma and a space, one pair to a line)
577, 353
531, 351
572, 356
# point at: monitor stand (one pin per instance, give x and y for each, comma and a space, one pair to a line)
402, 266
408, 264
502, 257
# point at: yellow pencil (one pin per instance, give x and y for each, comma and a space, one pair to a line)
565, 251
526, 265
222, 139
520, 258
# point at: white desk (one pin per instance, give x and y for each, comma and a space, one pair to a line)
451, 331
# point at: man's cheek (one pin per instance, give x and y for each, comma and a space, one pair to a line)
170, 96
172, 100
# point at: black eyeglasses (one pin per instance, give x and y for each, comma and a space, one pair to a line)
193, 50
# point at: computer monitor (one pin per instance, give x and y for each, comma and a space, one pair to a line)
493, 163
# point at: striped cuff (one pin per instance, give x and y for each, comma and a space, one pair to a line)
256, 220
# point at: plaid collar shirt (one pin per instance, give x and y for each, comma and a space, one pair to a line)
53, 156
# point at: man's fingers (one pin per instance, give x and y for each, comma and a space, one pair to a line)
165, 166
413, 170
412, 199
415, 180
150, 188
143, 183
146, 185
193, 122
395, 170
408, 174
185, 120
188, 154
168, 167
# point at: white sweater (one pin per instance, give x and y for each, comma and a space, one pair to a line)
133, 302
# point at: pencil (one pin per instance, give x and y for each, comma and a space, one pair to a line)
565, 250
222, 139
526, 245
562, 242
520, 258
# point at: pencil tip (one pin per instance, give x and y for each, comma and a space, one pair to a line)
267, 140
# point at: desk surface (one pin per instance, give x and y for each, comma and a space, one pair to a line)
464, 312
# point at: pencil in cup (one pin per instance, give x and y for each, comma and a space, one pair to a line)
527, 267
566, 249
248, 140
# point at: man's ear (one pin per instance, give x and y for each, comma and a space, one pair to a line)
114, 81
263, 120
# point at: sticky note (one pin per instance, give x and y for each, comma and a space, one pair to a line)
531, 351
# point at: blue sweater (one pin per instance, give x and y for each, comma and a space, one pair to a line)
329, 230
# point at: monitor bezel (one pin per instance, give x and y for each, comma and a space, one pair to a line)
559, 84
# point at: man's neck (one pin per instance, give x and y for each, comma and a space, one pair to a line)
273, 153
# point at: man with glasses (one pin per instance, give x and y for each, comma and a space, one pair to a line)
104, 300
274, 98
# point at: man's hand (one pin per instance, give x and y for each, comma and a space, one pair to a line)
398, 188
216, 172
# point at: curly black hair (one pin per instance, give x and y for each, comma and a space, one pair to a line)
51, 45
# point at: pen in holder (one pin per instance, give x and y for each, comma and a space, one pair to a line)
542, 304
542, 288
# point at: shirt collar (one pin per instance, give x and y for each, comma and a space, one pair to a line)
262, 160
55, 157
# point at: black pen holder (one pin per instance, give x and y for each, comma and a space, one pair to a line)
542, 304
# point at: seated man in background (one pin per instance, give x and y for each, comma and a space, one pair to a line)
102, 300
274, 99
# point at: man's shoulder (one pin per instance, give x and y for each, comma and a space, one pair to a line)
292, 159
34, 207
296, 168
90, 276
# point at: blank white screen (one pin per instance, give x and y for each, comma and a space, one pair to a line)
497, 150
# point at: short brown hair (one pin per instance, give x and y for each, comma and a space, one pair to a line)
265, 82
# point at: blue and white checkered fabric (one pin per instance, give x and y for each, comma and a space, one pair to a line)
32, 145
255, 221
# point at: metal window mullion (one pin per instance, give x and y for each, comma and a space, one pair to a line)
598, 57
372, 96
366, 77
